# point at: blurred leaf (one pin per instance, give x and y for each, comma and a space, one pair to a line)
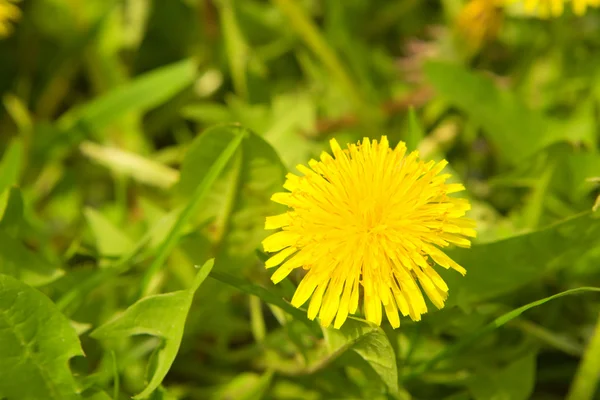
36, 343
466, 341
161, 315
239, 202
516, 131
10, 166
246, 386
497, 268
234, 137
415, 131
512, 382
369, 342
22, 263
139, 95
262, 293
110, 240
586, 379
11, 209
139, 168
237, 49
313, 38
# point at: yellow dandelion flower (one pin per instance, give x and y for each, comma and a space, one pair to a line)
367, 224
479, 21
555, 8
8, 13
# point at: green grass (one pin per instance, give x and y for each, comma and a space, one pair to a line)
141, 141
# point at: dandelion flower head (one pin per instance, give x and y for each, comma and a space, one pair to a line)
367, 225
479, 21
555, 8
8, 12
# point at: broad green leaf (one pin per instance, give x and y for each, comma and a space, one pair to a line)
240, 200
516, 131
497, 268
22, 263
512, 382
36, 343
110, 240
139, 95
495, 324
10, 166
369, 342
160, 315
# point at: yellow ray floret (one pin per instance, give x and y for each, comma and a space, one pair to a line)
555, 8
479, 21
367, 225
8, 13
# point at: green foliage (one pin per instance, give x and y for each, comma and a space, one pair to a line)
36, 343
161, 315
140, 138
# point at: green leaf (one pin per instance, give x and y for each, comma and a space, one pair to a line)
11, 209
588, 373
246, 386
262, 293
234, 137
369, 342
237, 49
512, 382
497, 268
19, 262
141, 169
141, 94
516, 131
10, 166
36, 343
240, 199
110, 240
160, 315
415, 131
495, 324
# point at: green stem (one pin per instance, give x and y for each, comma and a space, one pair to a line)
588, 373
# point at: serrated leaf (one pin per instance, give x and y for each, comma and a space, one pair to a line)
160, 315
20, 262
369, 342
240, 199
110, 240
36, 343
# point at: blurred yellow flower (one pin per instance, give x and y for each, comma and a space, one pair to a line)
8, 13
555, 8
479, 21
367, 225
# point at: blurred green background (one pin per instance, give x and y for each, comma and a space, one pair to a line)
120, 177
